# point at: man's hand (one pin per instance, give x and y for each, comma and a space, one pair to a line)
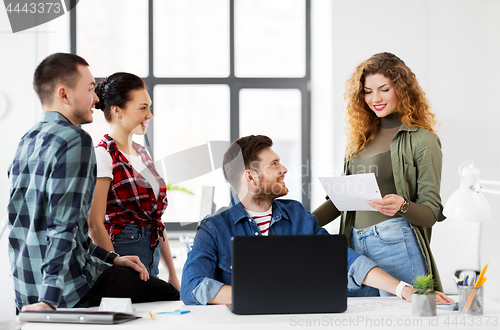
440, 297
133, 262
39, 306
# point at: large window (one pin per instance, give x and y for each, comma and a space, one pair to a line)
216, 70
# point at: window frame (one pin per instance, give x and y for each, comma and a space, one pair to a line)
235, 84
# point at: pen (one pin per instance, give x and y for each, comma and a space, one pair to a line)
175, 313
481, 275
480, 281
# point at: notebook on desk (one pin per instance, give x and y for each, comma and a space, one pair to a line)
289, 274
76, 316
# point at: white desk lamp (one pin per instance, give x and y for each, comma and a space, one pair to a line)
467, 203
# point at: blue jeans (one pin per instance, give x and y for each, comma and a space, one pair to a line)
136, 240
393, 246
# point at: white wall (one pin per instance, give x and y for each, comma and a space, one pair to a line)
17, 62
454, 49
452, 46
464, 80
20, 54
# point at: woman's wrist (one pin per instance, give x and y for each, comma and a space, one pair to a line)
405, 204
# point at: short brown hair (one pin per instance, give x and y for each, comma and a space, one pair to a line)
241, 155
58, 68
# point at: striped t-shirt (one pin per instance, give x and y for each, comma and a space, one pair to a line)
262, 219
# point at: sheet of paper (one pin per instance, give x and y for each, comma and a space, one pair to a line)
352, 192
381, 305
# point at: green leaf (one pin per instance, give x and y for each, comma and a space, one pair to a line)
424, 285
170, 187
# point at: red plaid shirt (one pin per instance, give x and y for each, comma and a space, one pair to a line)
131, 198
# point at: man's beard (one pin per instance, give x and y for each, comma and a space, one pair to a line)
80, 116
269, 191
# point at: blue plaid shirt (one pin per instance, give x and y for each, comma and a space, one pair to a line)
52, 180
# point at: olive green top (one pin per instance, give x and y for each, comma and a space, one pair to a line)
416, 159
376, 159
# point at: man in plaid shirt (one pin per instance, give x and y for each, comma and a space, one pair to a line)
52, 180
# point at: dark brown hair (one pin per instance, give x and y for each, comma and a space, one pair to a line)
117, 90
58, 68
242, 155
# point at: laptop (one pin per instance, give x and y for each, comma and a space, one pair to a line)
291, 274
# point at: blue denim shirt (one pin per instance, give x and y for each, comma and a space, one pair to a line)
208, 266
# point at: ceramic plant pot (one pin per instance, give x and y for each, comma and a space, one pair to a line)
423, 304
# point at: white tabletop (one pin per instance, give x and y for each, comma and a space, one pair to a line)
362, 313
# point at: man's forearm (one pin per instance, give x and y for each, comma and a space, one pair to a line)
379, 279
223, 297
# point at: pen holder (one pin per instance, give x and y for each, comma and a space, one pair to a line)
470, 300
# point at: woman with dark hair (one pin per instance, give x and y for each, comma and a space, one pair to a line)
390, 132
130, 196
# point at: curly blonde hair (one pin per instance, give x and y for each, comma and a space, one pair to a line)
413, 107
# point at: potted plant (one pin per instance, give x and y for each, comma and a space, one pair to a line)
423, 298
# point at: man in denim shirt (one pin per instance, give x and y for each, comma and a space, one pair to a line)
254, 170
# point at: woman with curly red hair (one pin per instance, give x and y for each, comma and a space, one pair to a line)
391, 132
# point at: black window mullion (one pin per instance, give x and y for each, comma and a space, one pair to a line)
306, 147
149, 138
231, 39
306, 117
234, 98
234, 111
246, 82
72, 27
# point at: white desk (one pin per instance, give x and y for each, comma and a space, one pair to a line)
362, 313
